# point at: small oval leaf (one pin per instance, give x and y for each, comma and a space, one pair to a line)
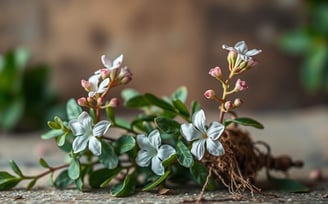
15, 168
73, 109
184, 156
52, 134
158, 181
74, 169
245, 122
108, 156
102, 177
126, 188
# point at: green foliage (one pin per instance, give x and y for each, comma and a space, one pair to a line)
184, 156
125, 188
287, 185
200, 173
311, 42
157, 181
101, 177
108, 156
26, 98
8, 181
63, 180
245, 122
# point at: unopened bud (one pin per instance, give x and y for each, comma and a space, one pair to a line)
210, 94
90, 100
85, 84
114, 102
231, 58
228, 105
237, 102
104, 73
100, 100
241, 85
216, 72
82, 101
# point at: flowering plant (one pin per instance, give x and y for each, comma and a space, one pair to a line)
155, 146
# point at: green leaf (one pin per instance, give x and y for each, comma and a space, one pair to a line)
110, 114
61, 140
296, 42
199, 173
158, 181
79, 184
11, 115
126, 188
180, 94
287, 185
122, 123
195, 106
154, 100
15, 168
31, 184
167, 125
108, 156
74, 169
184, 156
181, 107
128, 94
43, 163
245, 122
63, 180
138, 101
101, 177
53, 125
8, 181
73, 109
52, 133
125, 143
313, 68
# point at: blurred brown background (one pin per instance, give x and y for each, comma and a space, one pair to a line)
166, 44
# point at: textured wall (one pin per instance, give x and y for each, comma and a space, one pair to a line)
166, 43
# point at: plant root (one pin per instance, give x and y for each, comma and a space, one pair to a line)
238, 167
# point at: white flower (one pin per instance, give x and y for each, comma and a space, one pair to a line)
200, 135
86, 135
112, 65
95, 87
152, 152
242, 50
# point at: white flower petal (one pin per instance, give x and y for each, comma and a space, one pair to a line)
94, 80
95, 146
80, 143
103, 86
241, 47
117, 62
91, 94
253, 52
199, 120
76, 127
198, 148
214, 147
165, 151
86, 120
143, 142
157, 166
215, 130
143, 158
189, 132
106, 61
155, 138
226, 47
101, 128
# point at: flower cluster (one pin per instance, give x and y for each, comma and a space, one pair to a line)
240, 59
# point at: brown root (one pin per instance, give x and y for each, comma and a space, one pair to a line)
238, 167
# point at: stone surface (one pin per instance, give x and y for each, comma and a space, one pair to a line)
301, 134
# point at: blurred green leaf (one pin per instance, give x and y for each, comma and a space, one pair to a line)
199, 172
154, 100
125, 143
184, 155
181, 107
138, 101
128, 94
108, 156
31, 184
167, 125
180, 94
110, 114
43, 163
101, 177
63, 180
73, 109
15, 168
74, 169
79, 184
126, 188
158, 181
8, 181
320, 18
245, 122
11, 115
195, 106
296, 42
287, 185
52, 134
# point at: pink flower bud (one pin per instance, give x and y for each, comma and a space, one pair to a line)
237, 102
114, 102
216, 72
82, 101
85, 84
228, 105
210, 94
100, 100
241, 85
104, 73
